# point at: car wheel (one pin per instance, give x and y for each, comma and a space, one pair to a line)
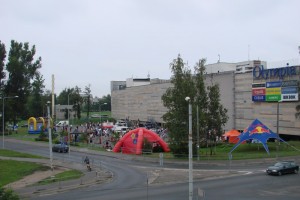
296, 171
279, 173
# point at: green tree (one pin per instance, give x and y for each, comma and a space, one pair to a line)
73, 97
22, 69
2, 59
176, 117
217, 114
102, 101
87, 100
201, 99
211, 112
36, 103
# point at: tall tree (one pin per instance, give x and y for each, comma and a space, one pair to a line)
201, 99
211, 112
22, 68
36, 103
176, 117
87, 92
2, 59
217, 114
78, 101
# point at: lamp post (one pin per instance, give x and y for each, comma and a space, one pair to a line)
198, 136
50, 136
69, 124
3, 129
188, 99
100, 111
277, 126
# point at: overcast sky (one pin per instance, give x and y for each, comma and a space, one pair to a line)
94, 42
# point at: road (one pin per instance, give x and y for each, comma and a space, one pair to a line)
131, 179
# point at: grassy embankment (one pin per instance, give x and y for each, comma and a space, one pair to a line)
11, 170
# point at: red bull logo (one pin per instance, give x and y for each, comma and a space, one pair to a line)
259, 130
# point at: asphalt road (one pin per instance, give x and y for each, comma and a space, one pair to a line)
131, 179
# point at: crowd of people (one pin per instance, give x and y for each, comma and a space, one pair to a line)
97, 134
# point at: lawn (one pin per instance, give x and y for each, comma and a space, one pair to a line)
244, 151
12, 171
251, 151
9, 153
67, 175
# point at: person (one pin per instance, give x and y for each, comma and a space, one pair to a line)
87, 162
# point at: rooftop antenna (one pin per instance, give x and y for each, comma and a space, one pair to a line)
219, 58
148, 75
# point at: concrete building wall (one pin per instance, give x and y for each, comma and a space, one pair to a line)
144, 103
226, 84
266, 112
140, 102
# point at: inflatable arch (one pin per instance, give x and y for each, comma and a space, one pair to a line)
35, 125
132, 142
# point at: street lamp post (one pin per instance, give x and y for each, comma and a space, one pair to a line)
3, 129
190, 150
277, 126
198, 135
100, 111
69, 124
50, 136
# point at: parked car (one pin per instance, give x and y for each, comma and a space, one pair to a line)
62, 123
284, 167
60, 148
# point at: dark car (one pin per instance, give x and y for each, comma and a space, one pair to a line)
60, 148
284, 167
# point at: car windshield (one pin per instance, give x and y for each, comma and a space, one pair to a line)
278, 165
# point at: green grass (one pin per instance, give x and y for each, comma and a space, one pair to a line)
9, 153
243, 151
22, 134
11, 171
67, 175
251, 151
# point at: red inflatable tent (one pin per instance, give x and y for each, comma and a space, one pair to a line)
132, 142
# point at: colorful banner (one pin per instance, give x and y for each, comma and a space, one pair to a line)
275, 91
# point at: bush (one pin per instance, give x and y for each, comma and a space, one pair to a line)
8, 194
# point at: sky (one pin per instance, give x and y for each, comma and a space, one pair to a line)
93, 42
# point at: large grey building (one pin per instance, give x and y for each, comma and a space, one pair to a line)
248, 90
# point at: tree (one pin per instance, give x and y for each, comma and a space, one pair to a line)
176, 117
75, 99
22, 69
36, 103
211, 112
201, 99
2, 59
88, 99
216, 115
